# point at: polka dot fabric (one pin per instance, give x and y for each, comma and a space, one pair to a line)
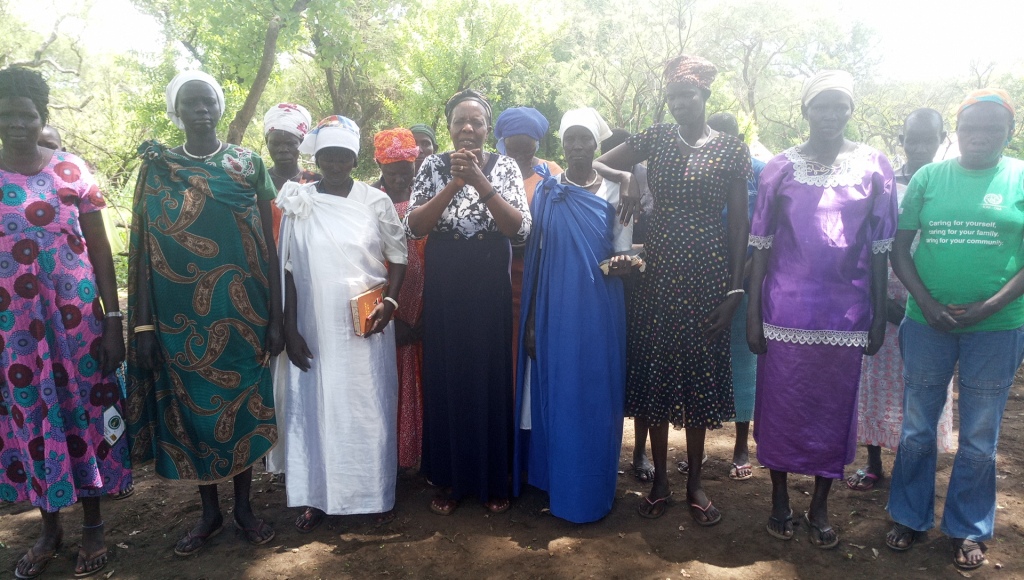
674, 373
52, 395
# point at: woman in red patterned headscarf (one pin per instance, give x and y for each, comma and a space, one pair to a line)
395, 151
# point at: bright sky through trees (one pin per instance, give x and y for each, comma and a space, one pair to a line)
919, 39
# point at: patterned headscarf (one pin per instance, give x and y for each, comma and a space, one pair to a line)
467, 95
287, 117
179, 81
691, 69
827, 80
424, 130
520, 121
998, 96
334, 131
394, 145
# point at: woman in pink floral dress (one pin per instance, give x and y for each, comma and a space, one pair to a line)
60, 422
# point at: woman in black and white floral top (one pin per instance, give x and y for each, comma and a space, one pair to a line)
471, 203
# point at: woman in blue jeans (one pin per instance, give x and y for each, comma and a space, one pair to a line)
966, 283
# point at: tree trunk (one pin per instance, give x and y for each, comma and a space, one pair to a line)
244, 115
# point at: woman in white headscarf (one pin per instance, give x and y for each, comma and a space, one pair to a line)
284, 127
572, 361
822, 229
339, 239
204, 311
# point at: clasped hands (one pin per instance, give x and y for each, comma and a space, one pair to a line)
466, 168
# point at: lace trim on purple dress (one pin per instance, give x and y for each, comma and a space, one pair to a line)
881, 246
846, 174
831, 337
760, 242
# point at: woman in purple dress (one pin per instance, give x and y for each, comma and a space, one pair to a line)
61, 432
822, 231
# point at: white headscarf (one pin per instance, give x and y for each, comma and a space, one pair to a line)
287, 117
587, 117
334, 131
827, 80
177, 82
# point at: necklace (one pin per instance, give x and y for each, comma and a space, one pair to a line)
679, 131
275, 172
202, 157
565, 176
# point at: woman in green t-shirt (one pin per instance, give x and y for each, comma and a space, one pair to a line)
968, 210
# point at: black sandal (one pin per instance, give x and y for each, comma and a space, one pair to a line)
309, 520
964, 547
898, 535
785, 534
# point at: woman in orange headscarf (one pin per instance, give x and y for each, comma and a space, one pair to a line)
395, 151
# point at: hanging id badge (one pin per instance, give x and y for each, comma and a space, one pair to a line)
113, 425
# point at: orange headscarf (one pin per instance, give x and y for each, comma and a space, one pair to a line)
394, 145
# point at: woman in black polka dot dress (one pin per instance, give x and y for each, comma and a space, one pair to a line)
679, 366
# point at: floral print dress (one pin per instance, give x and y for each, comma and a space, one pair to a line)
54, 403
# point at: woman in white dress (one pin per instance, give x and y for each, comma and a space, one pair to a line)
338, 395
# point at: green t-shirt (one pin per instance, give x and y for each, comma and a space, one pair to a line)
972, 235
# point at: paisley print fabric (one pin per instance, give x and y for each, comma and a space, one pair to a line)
208, 413
52, 396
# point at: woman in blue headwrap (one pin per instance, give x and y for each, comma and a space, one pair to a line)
519, 131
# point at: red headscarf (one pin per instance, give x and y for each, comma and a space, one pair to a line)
691, 69
393, 145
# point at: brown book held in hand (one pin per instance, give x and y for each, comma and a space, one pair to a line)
362, 305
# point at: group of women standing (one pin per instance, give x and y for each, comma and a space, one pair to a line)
233, 263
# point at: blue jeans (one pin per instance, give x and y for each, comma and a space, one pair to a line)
988, 362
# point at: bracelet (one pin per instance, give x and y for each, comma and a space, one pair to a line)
114, 314
736, 291
145, 328
486, 198
392, 301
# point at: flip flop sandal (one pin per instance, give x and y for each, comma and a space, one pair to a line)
965, 547
254, 535
443, 507
706, 523
653, 510
734, 473
86, 562
498, 506
897, 534
820, 532
190, 538
781, 524
684, 466
645, 475
862, 481
42, 563
309, 520
123, 494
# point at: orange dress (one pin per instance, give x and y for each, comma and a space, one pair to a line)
530, 184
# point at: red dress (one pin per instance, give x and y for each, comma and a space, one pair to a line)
410, 356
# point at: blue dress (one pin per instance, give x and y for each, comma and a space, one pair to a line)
576, 384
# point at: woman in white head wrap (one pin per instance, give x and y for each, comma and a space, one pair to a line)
284, 127
823, 225
204, 311
572, 358
338, 391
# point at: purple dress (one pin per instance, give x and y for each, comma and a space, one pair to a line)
822, 224
54, 403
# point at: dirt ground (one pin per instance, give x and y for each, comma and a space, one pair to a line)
527, 542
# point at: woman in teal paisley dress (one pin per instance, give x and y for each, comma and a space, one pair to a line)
59, 345
204, 311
